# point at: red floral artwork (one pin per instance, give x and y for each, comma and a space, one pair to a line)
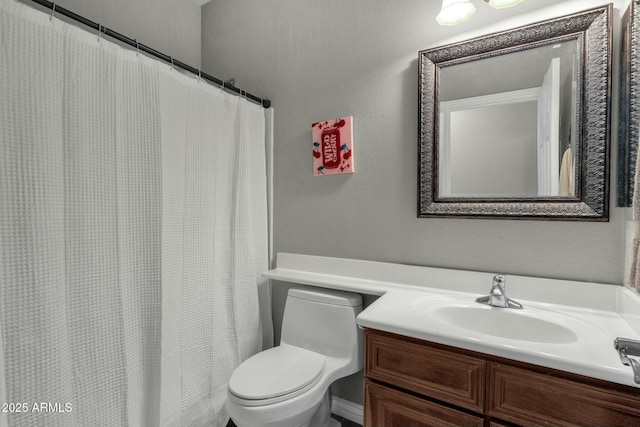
333, 146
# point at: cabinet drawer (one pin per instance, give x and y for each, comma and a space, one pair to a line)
425, 369
530, 398
386, 407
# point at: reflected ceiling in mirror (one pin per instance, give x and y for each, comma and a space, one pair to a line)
516, 124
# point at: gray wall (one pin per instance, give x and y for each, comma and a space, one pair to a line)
169, 26
322, 60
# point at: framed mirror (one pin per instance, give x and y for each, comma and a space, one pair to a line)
516, 124
629, 103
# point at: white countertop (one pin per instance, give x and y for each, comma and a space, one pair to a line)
597, 313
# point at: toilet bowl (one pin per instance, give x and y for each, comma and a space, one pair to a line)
288, 385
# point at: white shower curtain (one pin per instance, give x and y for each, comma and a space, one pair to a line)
133, 233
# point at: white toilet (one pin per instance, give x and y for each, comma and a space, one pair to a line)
288, 385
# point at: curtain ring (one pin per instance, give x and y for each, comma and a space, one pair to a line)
53, 11
199, 76
137, 48
99, 31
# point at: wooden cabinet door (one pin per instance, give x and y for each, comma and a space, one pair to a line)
427, 369
530, 398
516, 393
386, 407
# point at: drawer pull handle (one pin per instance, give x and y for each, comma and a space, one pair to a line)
627, 348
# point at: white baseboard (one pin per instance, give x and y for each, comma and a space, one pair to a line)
349, 410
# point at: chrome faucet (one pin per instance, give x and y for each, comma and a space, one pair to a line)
497, 296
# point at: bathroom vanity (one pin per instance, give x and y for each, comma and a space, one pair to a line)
435, 356
411, 382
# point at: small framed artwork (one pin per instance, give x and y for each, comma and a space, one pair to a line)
333, 146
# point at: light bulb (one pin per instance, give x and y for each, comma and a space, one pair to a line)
499, 4
455, 11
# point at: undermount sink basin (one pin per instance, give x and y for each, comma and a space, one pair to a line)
505, 323
529, 324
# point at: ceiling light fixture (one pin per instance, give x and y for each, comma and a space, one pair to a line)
499, 4
454, 12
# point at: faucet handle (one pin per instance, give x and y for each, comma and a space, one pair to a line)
500, 280
497, 296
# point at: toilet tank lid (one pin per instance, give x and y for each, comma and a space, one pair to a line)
328, 296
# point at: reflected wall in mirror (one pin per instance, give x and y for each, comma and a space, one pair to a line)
516, 124
629, 103
524, 121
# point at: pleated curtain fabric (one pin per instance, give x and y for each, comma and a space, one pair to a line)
133, 232
213, 184
633, 275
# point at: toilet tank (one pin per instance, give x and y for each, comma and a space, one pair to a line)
323, 321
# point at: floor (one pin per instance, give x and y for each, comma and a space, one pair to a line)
345, 422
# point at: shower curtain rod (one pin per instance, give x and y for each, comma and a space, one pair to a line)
228, 85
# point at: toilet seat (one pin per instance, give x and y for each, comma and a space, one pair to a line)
275, 375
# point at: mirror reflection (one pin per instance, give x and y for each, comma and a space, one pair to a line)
507, 124
515, 124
